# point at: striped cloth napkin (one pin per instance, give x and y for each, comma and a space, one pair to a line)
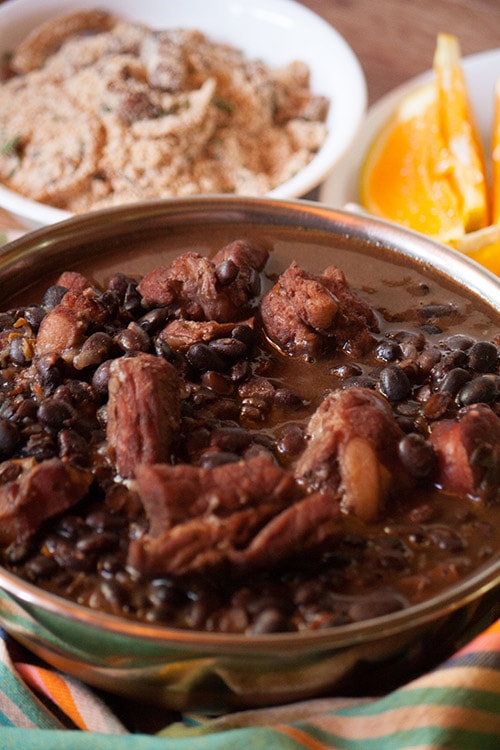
455, 706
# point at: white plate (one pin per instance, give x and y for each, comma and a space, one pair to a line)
481, 72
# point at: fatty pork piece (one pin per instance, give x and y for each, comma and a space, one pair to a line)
31, 493
199, 288
352, 450
248, 514
143, 412
306, 315
468, 452
64, 328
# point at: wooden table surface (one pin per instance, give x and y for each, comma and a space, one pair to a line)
395, 39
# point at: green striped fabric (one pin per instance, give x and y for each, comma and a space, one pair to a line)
456, 706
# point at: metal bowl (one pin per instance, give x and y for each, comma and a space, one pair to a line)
214, 671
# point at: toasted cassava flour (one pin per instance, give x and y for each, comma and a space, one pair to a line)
97, 111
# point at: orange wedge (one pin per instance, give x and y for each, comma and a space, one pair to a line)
482, 246
425, 168
495, 158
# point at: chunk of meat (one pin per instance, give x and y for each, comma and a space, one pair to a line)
352, 449
181, 334
468, 451
73, 280
64, 328
306, 315
303, 526
31, 493
248, 514
144, 409
173, 494
197, 288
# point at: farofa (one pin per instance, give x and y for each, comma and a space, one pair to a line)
126, 113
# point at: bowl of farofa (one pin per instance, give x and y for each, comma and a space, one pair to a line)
138, 101
249, 450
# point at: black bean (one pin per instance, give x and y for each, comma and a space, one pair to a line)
53, 295
9, 438
436, 311
202, 357
417, 455
454, 380
163, 349
100, 378
229, 349
244, 333
287, 398
233, 439
394, 383
34, 314
55, 413
360, 381
459, 341
437, 405
133, 339
290, 440
132, 301
211, 459
226, 271
97, 541
482, 389
20, 350
50, 368
154, 320
483, 357
388, 351
93, 351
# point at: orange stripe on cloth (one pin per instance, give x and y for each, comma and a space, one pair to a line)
54, 687
298, 735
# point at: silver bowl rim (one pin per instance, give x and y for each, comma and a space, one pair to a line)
298, 213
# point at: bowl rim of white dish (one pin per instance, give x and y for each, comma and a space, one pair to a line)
347, 89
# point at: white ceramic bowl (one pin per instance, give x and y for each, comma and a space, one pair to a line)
276, 31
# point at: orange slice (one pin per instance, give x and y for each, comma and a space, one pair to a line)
495, 158
482, 246
425, 168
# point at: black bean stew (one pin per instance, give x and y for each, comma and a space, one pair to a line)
222, 445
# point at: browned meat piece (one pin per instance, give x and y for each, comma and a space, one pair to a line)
248, 514
73, 280
144, 410
468, 451
173, 494
306, 314
352, 449
197, 288
30, 493
64, 328
181, 334
297, 529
